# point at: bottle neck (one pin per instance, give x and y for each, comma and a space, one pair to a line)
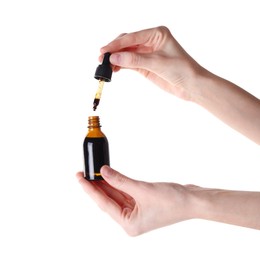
93, 122
94, 127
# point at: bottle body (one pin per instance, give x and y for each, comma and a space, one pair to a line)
96, 150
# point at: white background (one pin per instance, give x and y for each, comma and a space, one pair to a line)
48, 55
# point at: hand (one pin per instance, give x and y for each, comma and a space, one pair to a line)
159, 57
156, 55
138, 206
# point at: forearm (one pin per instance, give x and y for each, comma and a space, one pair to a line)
231, 104
241, 208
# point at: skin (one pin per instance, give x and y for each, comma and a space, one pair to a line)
136, 205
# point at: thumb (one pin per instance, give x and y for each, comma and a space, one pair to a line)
118, 180
128, 60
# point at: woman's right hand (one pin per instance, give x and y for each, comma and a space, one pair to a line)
157, 56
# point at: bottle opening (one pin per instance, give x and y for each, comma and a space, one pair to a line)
93, 121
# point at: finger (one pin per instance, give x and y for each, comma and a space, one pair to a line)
118, 180
89, 187
96, 191
79, 175
101, 57
135, 61
120, 35
128, 40
121, 198
114, 68
103, 49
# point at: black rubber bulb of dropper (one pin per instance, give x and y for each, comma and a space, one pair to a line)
104, 70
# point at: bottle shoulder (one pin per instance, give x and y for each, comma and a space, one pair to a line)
95, 133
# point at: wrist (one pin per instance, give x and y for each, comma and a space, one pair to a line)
199, 86
238, 208
194, 85
198, 202
203, 206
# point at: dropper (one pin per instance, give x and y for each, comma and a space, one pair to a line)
103, 74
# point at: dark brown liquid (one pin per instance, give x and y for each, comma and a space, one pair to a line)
96, 154
95, 103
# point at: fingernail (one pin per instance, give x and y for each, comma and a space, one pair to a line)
79, 175
102, 49
105, 171
115, 59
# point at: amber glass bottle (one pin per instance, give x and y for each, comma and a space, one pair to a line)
96, 150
